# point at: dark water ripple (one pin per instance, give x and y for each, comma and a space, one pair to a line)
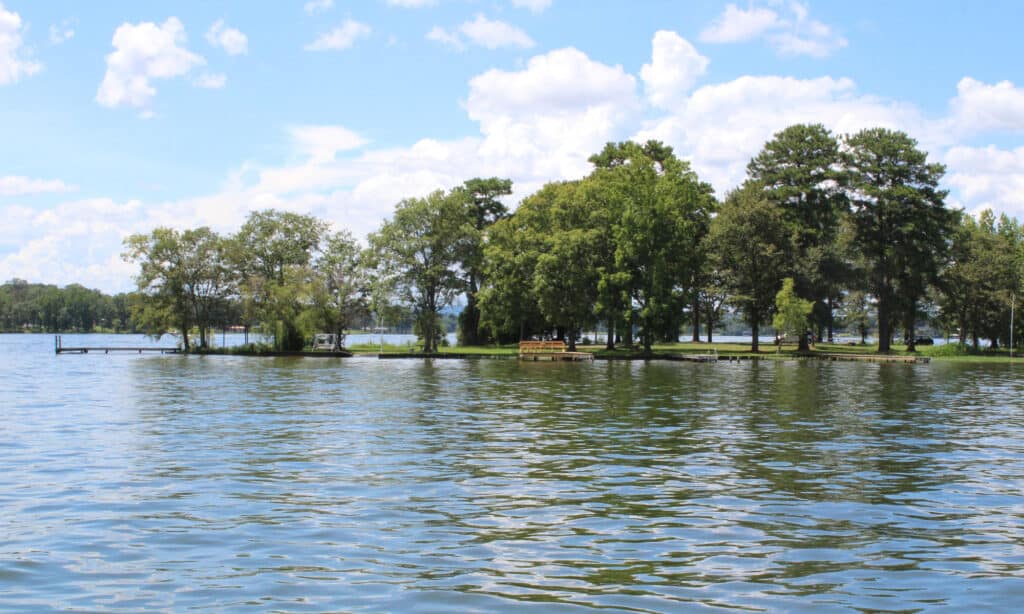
164, 482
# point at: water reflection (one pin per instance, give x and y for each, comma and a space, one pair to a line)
177, 482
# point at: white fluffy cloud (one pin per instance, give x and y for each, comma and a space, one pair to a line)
493, 34
483, 32
987, 178
322, 143
231, 40
979, 107
14, 61
13, 185
737, 25
143, 52
342, 37
675, 66
534, 6
791, 33
317, 6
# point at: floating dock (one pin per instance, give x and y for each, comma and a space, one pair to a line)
60, 348
874, 358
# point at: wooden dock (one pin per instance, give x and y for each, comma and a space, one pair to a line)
60, 348
550, 351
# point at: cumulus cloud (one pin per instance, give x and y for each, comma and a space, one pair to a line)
13, 185
979, 107
675, 66
317, 6
987, 178
534, 6
15, 62
342, 37
483, 32
143, 52
737, 25
793, 32
493, 34
322, 143
231, 40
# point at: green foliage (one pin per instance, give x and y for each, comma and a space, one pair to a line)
799, 171
74, 308
791, 311
273, 251
184, 280
481, 198
662, 210
417, 253
900, 225
337, 288
982, 278
749, 242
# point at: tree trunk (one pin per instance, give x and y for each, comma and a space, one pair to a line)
754, 347
884, 331
711, 322
628, 339
571, 339
610, 342
522, 330
696, 320
802, 344
470, 319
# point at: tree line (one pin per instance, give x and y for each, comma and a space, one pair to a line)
26, 306
824, 229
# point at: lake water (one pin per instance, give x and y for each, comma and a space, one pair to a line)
140, 482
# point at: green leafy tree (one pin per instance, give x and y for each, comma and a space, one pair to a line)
664, 212
799, 170
337, 287
183, 277
749, 242
982, 277
272, 250
900, 224
791, 312
508, 307
419, 250
482, 199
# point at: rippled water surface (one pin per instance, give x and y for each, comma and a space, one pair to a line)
133, 482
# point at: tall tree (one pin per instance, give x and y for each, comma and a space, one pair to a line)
482, 199
900, 223
419, 249
183, 276
338, 287
799, 169
664, 212
268, 246
749, 242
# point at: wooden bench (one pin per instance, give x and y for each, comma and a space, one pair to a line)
541, 347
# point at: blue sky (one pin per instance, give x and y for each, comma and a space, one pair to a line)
121, 116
